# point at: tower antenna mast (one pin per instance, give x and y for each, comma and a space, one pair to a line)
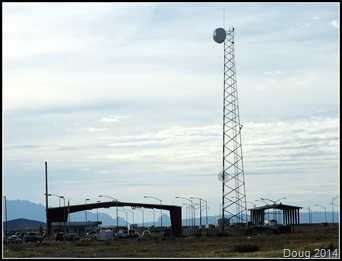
232, 174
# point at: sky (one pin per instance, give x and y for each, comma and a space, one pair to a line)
126, 100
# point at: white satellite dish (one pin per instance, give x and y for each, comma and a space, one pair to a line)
219, 35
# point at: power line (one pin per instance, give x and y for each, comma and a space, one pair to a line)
32, 146
174, 162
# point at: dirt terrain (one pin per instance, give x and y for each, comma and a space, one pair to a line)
313, 241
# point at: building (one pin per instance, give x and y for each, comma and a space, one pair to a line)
80, 228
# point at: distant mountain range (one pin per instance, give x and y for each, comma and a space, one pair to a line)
28, 224
33, 215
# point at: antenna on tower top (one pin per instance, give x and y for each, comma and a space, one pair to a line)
224, 18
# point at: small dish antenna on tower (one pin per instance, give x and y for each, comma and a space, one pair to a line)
219, 35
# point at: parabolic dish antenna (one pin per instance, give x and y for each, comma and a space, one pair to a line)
219, 35
223, 178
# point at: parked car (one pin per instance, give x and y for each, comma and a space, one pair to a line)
14, 240
92, 234
72, 237
33, 237
21, 234
133, 233
146, 233
59, 236
122, 234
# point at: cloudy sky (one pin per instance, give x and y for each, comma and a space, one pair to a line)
125, 100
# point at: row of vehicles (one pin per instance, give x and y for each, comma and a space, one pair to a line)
68, 237
60, 236
20, 237
126, 233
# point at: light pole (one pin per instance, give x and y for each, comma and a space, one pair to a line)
117, 219
126, 216
262, 201
142, 215
268, 211
154, 223
332, 207
192, 209
161, 208
132, 212
85, 202
64, 216
186, 216
274, 202
98, 212
254, 205
201, 210
6, 215
325, 211
309, 214
200, 207
206, 212
59, 204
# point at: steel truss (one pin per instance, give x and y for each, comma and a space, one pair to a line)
232, 175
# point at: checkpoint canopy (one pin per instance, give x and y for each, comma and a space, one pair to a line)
290, 213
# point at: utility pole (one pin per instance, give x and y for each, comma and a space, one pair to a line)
47, 206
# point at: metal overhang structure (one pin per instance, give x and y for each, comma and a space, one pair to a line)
60, 214
290, 213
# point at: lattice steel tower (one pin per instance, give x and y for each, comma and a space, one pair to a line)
232, 175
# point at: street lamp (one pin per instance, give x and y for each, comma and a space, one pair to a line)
309, 214
254, 205
192, 214
268, 211
64, 215
268, 200
186, 216
192, 208
59, 203
274, 202
85, 202
279, 199
332, 207
201, 210
206, 212
325, 211
6, 215
117, 219
142, 215
98, 212
161, 208
126, 216
132, 212
262, 201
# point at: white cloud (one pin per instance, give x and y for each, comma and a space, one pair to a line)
334, 23
84, 129
114, 118
276, 72
108, 120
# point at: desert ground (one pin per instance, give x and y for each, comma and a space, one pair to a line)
305, 241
